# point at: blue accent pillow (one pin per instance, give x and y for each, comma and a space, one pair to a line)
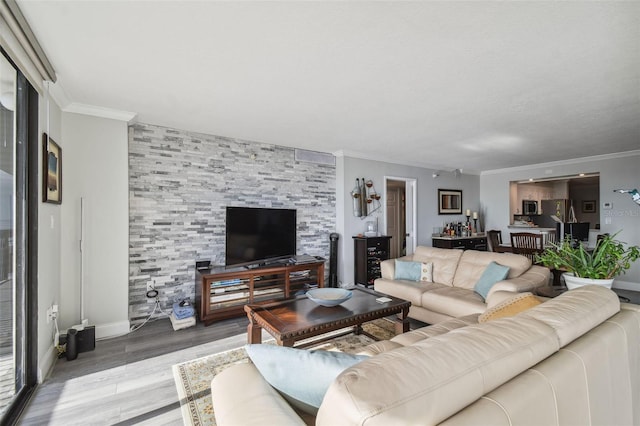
410, 271
491, 275
301, 376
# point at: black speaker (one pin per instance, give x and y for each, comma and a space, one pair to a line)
333, 259
72, 344
87, 339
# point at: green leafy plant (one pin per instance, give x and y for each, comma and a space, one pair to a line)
609, 258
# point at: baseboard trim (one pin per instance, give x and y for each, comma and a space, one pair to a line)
626, 285
46, 363
113, 329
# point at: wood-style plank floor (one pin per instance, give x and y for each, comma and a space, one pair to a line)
128, 380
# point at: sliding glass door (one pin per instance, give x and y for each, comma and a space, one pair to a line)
18, 240
8, 382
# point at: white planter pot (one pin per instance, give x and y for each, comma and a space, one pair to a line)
575, 282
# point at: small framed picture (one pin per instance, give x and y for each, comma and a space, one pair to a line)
449, 201
51, 171
589, 206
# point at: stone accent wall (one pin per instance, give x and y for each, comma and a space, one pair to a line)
179, 185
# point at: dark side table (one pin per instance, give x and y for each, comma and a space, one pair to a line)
551, 291
556, 290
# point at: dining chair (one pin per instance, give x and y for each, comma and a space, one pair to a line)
548, 237
495, 242
527, 244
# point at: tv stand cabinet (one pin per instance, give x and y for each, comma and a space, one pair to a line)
222, 292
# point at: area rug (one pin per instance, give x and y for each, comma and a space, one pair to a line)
193, 378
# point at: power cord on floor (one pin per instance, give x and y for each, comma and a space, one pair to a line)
157, 308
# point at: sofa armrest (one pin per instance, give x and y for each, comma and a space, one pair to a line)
241, 396
536, 276
388, 267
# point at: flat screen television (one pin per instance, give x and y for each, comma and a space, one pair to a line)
256, 236
577, 231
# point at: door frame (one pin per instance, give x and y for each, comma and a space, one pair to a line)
411, 186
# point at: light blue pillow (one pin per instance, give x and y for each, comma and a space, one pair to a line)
301, 376
491, 275
410, 271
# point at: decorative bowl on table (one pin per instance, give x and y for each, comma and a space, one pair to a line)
329, 296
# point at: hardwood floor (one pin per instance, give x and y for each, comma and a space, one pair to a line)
128, 380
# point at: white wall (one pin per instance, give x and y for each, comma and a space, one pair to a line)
49, 234
95, 167
347, 225
615, 172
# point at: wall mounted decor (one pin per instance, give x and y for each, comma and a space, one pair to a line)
449, 201
635, 195
366, 199
588, 206
51, 171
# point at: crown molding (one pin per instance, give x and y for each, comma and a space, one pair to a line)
57, 93
101, 112
386, 159
563, 162
60, 97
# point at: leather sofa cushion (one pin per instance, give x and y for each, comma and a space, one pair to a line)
407, 290
473, 263
433, 379
575, 312
415, 336
445, 262
453, 301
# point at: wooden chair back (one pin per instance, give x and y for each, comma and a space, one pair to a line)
494, 239
527, 244
548, 237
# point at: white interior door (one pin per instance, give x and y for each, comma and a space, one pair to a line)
410, 212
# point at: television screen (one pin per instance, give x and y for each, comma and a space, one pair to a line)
577, 231
259, 235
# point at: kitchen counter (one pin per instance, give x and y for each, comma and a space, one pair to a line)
532, 227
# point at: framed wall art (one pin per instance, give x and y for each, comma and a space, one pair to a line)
449, 201
51, 171
589, 206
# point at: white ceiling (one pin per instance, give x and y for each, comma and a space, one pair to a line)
472, 85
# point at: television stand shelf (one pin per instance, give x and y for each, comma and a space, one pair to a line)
222, 292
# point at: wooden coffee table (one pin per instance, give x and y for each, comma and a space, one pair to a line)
293, 320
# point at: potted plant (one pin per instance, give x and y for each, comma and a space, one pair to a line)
601, 265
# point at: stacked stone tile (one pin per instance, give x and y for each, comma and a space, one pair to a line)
179, 185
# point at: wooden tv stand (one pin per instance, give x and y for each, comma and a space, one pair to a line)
222, 292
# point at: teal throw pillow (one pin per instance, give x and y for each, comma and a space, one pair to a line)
491, 275
301, 376
410, 271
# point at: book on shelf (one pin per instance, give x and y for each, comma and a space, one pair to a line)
222, 283
228, 304
267, 291
228, 289
229, 296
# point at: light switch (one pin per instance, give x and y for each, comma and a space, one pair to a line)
607, 220
53, 224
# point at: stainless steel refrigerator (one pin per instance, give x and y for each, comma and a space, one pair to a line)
559, 208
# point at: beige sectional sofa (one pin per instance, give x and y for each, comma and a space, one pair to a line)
455, 273
572, 360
